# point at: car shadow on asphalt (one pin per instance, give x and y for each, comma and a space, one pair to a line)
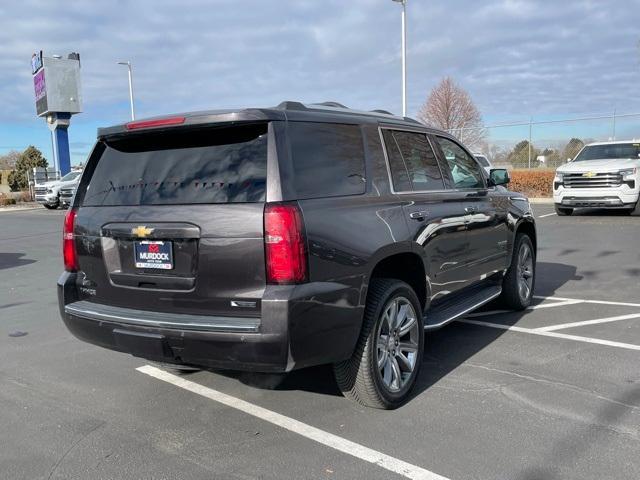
445, 349
551, 276
448, 348
601, 212
12, 260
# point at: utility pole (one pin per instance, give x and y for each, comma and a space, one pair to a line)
128, 64
614, 124
530, 126
404, 55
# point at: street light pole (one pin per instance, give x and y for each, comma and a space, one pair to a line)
128, 64
404, 55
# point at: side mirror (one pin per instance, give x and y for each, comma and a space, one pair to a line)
499, 176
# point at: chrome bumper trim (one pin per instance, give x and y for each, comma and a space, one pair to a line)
144, 318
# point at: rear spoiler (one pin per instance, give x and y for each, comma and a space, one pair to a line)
188, 120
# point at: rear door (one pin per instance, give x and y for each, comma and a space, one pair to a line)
435, 216
172, 220
487, 215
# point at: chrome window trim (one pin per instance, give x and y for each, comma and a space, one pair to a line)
388, 165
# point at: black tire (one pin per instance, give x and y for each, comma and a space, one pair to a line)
359, 378
562, 211
636, 210
50, 207
512, 295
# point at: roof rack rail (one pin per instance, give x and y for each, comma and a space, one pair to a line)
330, 104
290, 105
412, 120
379, 110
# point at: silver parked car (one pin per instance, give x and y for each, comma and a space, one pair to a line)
484, 162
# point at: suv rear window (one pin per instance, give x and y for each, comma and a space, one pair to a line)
328, 159
208, 165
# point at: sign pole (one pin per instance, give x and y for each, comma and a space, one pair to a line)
59, 124
53, 150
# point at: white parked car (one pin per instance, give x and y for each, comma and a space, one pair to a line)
48, 193
484, 162
603, 175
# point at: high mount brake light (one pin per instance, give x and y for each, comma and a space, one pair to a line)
285, 246
162, 122
68, 243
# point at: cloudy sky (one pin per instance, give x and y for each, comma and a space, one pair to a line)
517, 58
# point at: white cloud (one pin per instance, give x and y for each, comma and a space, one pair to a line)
514, 56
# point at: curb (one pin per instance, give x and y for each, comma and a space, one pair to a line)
541, 201
19, 209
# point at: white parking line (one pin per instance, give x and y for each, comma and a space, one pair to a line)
599, 302
547, 215
562, 303
532, 331
325, 438
562, 326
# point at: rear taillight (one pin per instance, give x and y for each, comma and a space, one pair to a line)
68, 243
285, 249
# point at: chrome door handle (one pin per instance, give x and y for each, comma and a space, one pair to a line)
418, 215
470, 209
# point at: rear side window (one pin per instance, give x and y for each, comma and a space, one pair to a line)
327, 159
209, 165
413, 164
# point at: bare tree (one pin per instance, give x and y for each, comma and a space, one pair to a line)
449, 107
8, 160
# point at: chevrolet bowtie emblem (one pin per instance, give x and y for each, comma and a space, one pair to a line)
589, 174
142, 231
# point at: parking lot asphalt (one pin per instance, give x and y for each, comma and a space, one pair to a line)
549, 393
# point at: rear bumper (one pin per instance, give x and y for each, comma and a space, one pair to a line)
300, 326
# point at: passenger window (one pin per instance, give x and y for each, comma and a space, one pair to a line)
328, 159
465, 171
412, 162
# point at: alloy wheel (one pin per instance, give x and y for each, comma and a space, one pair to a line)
398, 335
525, 271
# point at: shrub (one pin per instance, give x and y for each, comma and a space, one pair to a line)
23, 196
533, 183
5, 200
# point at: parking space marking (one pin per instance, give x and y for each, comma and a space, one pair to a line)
562, 303
562, 326
387, 462
598, 302
532, 331
547, 215
556, 304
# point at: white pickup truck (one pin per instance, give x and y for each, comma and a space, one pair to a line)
48, 194
603, 175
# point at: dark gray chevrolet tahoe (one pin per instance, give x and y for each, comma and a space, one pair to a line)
275, 239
